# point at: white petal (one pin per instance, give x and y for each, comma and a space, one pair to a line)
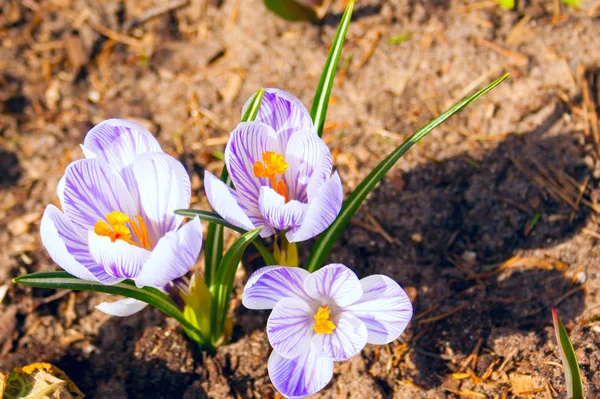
321, 212
277, 212
164, 187
333, 283
118, 142
123, 308
302, 376
119, 259
346, 341
290, 327
175, 254
268, 285
69, 249
91, 191
309, 161
384, 308
223, 201
246, 145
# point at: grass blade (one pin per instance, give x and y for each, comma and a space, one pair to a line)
318, 111
221, 289
216, 220
569, 360
151, 296
325, 242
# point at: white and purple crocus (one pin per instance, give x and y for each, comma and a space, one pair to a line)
319, 318
117, 219
281, 171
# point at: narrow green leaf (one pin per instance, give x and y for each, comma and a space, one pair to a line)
213, 243
325, 242
320, 103
216, 220
290, 10
221, 289
254, 106
151, 296
569, 360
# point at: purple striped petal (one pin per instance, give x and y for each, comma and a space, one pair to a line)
284, 113
290, 327
118, 142
119, 259
164, 187
384, 308
92, 189
321, 212
270, 284
175, 254
309, 161
123, 308
224, 201
302, 376
346, 341
246, 145
277, 213
69, 248
334, 283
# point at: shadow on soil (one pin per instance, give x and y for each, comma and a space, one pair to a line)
460, 218
10, 169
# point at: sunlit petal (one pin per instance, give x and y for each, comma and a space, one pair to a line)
333, 284
269, 284
346, 341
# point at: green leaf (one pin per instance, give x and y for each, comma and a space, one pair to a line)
572, 2
217, 220
325, 242
569, 360
318, 111
127, 288
290, 10
400, 38
213, 242
221, 289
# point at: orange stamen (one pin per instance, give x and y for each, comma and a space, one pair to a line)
273, 164
323, 325
116, 229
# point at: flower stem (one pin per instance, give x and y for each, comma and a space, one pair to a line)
285, 252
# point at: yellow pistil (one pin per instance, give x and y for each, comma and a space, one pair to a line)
323, 325
273, 164
116, 229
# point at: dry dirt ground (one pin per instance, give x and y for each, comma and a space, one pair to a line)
488, 223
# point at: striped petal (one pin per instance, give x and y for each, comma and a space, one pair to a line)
270, 284
333, 284
123, 308
118, 142
309, 161
69, 249
246, 145
224, 201
302, 376
346, 341
164, 186
175, 254
284, 113
91, 190
290, 327
277, 212
321, 212
119, 259
384, 308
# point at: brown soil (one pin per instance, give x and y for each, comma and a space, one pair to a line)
454, 222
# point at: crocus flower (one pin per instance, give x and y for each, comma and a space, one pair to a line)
117, 219
322, 317
281, 171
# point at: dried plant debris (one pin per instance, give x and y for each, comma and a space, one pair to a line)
39, 381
